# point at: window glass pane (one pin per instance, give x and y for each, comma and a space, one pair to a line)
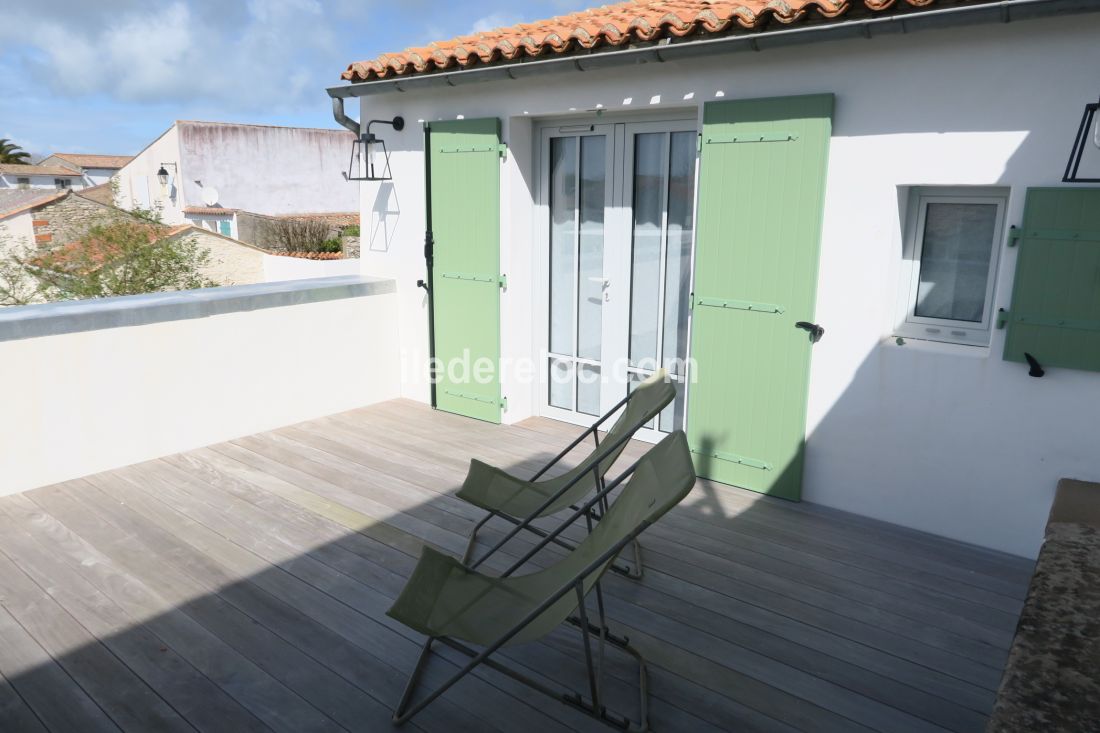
681, 195
563, 204
633, 380
954, 262
588, 389
590, 286
561, 384
649, 190
672, 417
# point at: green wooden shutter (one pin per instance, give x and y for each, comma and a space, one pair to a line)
761, 193
465, 191
1055, 312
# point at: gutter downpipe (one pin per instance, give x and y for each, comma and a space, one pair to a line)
429, 259
666, 50
429, 242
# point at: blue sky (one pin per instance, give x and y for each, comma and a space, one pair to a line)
107, 76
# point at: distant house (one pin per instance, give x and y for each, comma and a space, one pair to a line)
96, 169
58, 219
711, 188
42, 176
209, 173
17, 214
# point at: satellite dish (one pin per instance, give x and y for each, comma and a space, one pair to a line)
210, 196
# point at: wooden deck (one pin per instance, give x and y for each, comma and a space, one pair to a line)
244, 586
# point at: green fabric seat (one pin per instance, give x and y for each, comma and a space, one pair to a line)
455, 605
444, 598
521, 501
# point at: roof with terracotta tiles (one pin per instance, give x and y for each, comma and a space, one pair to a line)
208, 211
617, 25
101, 194
83, 160
19, 169
17, 200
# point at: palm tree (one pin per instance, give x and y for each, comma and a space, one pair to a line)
12, 153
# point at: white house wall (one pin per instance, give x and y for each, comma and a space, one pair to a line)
98, 176
138, 185
947, 439
16, 232
267, 170
50, 182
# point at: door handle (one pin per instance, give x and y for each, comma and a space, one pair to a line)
815, 331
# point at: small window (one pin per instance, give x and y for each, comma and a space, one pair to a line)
23, 182
950, 264
225, 227
61, 183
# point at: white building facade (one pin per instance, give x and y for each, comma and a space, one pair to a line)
213, 169
911, 414
40, 177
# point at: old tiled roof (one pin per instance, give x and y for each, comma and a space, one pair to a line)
208, 211
17, 169
335, 218
94, 161
616, 25
17, 200
101, 194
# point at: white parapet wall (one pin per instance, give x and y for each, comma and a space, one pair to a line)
95, 385
278, 268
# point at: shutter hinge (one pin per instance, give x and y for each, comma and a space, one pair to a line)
699, 143
1014, 235
503, 282
502, 149
1002, 317
504, 404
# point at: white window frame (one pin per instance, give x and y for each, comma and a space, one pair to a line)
910, 325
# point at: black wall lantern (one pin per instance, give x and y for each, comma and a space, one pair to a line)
162, 174
1087, 134
369, 154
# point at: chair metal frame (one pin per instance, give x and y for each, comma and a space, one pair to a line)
593, 705
633, 571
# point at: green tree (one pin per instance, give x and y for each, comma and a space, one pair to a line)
12, 153
124, 257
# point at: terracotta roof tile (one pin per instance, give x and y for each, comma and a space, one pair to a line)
101, 194
94, 161
208, 211
619, 24
17, 200
18, 169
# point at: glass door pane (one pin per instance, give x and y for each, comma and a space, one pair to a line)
663, 197
578, 198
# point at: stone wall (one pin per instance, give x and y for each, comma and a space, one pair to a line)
252, 228
351, 247
63, 221
231, 263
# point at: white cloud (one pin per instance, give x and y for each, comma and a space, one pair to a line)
269, 55
493, 21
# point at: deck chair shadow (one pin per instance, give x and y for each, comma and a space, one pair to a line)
457, 606
521, 502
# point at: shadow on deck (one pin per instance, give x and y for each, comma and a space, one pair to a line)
244, 586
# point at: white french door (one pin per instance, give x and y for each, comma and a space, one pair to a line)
617, 203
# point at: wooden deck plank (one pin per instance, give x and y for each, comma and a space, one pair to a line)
845, 677
822, 589
187, 690
918, 675
124, 696
279, 553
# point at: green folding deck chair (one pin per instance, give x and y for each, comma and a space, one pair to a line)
523, 501
457, 605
